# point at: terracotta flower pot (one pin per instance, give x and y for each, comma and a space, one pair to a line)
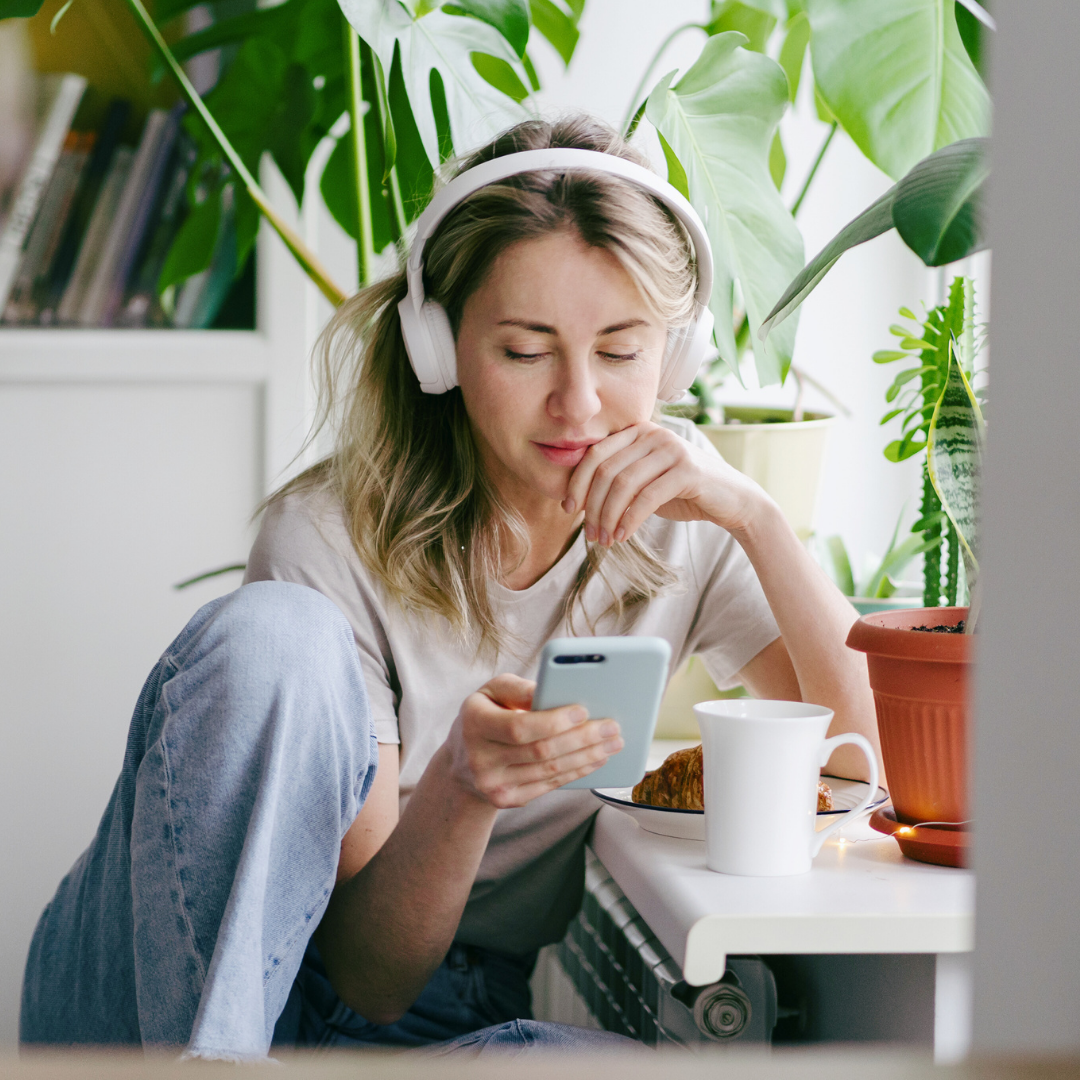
920, 684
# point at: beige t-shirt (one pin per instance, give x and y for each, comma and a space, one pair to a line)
418, 673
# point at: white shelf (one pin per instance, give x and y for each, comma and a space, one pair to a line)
862, 896
214, 356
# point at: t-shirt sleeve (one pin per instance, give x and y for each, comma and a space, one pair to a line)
302, 539
733, 621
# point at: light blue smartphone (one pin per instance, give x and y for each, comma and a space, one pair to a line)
618, 677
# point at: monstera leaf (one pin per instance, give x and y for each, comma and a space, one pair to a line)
897, 76
442, 43
935, 208
719, 120
509, 17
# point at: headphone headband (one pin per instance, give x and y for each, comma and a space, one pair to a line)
558, 159
425, 327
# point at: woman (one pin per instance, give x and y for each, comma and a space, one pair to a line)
255, 877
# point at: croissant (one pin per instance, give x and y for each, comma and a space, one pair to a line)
679, 785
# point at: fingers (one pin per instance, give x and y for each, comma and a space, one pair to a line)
520, 784
510, 755
649, 499
618, 484
582, 477
555, 747
509, 691
616, 473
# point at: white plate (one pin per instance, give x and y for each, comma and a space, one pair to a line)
690, 824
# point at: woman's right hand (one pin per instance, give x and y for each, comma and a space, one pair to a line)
507, 755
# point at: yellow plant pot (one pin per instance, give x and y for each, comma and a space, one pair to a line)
785, 458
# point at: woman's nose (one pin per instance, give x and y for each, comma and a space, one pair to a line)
575, 399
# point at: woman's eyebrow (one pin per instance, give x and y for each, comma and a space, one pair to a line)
536, 328
541, 328
629, 324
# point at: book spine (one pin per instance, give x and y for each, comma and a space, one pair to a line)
103, 283
20, 305
40, 169
153, 179
96, 234
97, 168
142, 306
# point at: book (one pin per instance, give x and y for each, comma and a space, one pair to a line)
110, 272
82, 209
142, 306
68, 94
156, 175
22, 307
97, 233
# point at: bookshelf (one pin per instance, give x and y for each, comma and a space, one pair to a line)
101, 42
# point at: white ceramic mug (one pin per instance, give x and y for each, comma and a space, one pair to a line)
761, 771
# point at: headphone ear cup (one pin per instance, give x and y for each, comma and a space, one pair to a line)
429, 342
687, 348
443, 347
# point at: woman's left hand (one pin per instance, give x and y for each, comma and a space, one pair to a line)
647, 469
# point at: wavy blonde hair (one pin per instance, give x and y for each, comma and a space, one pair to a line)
423, 517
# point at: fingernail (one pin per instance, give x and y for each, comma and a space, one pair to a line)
613, 746
609, 728
604, 538
620, 535
590, 533
568, 505
578, 715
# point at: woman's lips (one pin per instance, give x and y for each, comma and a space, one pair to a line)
565, 454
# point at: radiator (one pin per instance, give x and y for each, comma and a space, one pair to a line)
631, 985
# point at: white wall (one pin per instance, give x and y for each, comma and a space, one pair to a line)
108, 495
1027, 759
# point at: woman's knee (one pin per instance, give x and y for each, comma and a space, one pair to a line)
273, 661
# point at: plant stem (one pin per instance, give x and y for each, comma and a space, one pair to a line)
307, 259
626, 126
813, 170
365, 251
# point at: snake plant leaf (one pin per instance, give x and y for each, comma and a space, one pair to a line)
940, 200
937, 209
719, 119
954, 460
509, 17
19, 9
897, 76
445, 44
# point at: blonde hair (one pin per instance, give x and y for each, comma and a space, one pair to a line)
423, 517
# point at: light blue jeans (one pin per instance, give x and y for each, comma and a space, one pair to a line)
186, 922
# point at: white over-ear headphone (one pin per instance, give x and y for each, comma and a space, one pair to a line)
425, 326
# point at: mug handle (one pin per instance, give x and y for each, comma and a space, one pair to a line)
826, 752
